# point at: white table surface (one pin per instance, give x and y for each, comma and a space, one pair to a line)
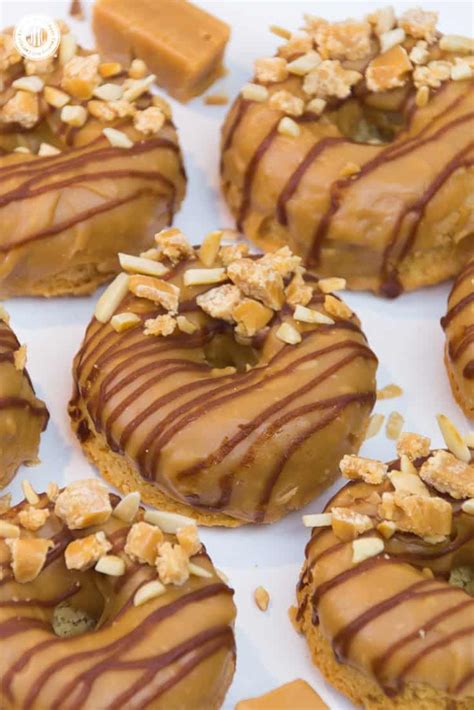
405, 334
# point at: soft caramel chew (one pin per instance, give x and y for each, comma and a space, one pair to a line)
182, 44
297, 694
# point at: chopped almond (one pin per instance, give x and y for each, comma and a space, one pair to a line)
138, 69
156, 290
143, 541
210, 248
332, 284
84, 503
420, 515
55, 97
173, 244
117, 139
258, 281
33, 518
185, 325
172, 564
348, 524
453, 439
367, 470
366, 547
387, 529
382, 20
29, 492
127, 509
109, 69
308, 315
188, 538
124, 321
220, 302
305, 63
254, 92
375, 424
288, 334
262, 598
52, 491
413, 445
8, 530
448, 474
112, 298
394, 425
432, 75
147, 592
28, 557
111, 565
83, 553
389, 392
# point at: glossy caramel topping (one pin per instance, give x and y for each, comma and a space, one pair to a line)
458, 324
22, 415
195, 410
174, 649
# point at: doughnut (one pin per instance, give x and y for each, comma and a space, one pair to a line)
89, 165
204, 382
22, 415
353, 146
385, 594
458, 324
102, 609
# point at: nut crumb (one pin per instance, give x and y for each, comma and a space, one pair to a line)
160, 326
262, 598
367, 470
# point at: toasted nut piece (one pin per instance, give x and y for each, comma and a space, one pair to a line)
271, 69
298, 43
287, 102
74, 116
251, 316
288, 334
382, 20
453, 438
185, 325
112, 565
128, 507
308, 315
329, 79
83, 553
30, 493
408, 483
147, 592
137, 87
108, 69
232, 252
22, 149
461, 71
108, 92
188, 538
254, 92
433, 74
407, 466
365, 547
317, 520
28, 557
288, 127
422, 96
280, 31
394, 425
22, 108
160, 326
156, 290
81, 76
260, 281
67, 48
368, 470
421, 515
170, 523
449, 475
55, 97
305, 63
52, 491
210, 247
46, 149
173, 244
420, 53
143, 541
391, 38
140, 265
456, 43
33, 518
5, 503
332, 284
111, 298
387, 529
298, 292
419, 23
337, 308
118, 139
153, 254
262, 598
33, 84
413, 445
8, 529
19, 358
149, 121
388, 70
84, 503
199, 571
468, 506
138, 69
316, 106
375, 424
204, 277
389, 392
172, 564
283, 261
347, 524
124, 321
220, 302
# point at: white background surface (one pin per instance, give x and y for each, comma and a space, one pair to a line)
405, 334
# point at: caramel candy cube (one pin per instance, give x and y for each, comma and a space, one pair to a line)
180, 43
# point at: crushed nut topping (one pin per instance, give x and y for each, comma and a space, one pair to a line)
337, 308
421, 515
173, 244
271, 70
368, 470
419, 24
414, 446
448, 474
250, 316
262, 598
343, 40
149, 121
374, 426
394, 425
83, 553
287, 102
388, 70
81, 76
220, 302
389, 392
84, 503
160, 326
258, 281
348, 524
298, 292
330, 79
188, 538
143, 541
172, 564
22, 108
153, 289
33, 518
232, 252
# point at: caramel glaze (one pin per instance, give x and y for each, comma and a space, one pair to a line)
201, 438
458, 325
65, 217
370, 227
175, 651
22, 415
383, 616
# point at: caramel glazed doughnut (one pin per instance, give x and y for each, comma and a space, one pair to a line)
458, 324
354, 147
384, 625
89, 165
22, 415
102, 609
241, 426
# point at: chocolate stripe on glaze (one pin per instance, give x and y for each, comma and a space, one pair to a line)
16, 626
242, 107
43, 603
436, 645
348, 574
20, 403
456, 310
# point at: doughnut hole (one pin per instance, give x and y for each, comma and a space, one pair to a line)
224, 351
375, 119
